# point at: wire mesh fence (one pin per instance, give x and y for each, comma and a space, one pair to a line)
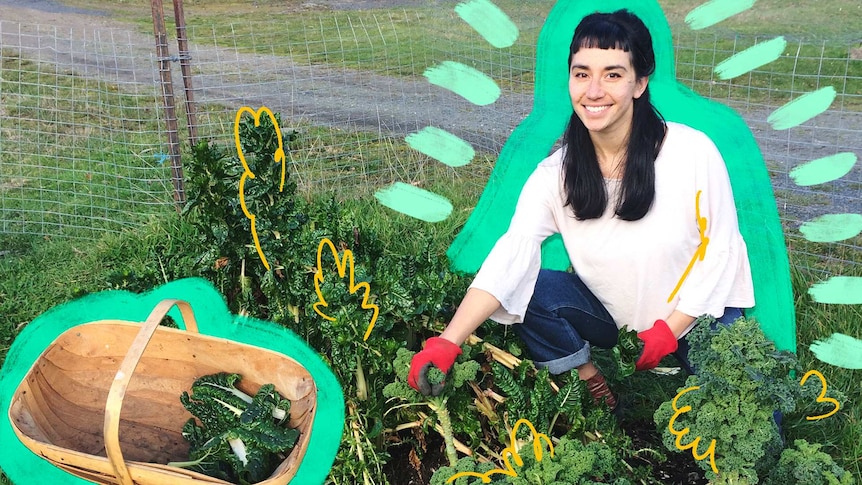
80, 143
82, 149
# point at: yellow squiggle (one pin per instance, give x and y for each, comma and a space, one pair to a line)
822, 397
247, 173
701, 249
710, 451
342, 266
511, 450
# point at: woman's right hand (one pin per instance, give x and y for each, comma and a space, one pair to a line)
439, 352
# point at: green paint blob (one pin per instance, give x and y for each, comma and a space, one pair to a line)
802, 108
465, 81
832, 227
751, 58
213, 318
489, 21
415, 202
714, 11
839, 350
537, 134
441, 146
842, 290
824, 169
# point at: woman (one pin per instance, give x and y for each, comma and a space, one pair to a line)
646, 213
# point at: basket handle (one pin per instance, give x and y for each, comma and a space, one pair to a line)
124, 375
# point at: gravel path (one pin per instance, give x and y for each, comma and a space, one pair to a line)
96, 46
89, 41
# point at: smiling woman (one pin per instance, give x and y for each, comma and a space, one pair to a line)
625, 193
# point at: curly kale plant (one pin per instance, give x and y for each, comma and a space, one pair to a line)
572, 463
741, 381
805, 463
240, 438
461, 373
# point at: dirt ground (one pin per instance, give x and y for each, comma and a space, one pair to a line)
364, 100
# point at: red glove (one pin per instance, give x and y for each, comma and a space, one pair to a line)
439, 352
658, 341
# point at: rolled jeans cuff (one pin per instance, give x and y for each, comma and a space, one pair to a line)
563, 364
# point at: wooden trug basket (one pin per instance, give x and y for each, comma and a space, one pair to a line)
68, 407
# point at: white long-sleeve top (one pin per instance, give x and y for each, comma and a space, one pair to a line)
632, 267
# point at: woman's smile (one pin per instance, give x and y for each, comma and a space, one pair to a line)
603, 86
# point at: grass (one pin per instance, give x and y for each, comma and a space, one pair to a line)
405, 42
80, 157
77, 156
842, 433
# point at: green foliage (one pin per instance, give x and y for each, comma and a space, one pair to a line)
742, 379
460, 374
453, 396
529, 395
227, 254
626, 352
240, 438
805, 463
572, 463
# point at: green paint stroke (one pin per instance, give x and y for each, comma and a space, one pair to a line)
824, 169
489, 21
465, 81
832, 227
751, 58
842, 290
415, 202
714, 11
839, 350
441, 146
802, 108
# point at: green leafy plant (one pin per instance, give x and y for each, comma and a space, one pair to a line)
228, 255
741, 381
234, 436
461, 373
529, 394
571, 463
805, 463
626, 352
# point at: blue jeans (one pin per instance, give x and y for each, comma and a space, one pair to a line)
564, 319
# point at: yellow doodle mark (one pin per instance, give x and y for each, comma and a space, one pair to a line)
342, 266
511, 451
279, 157
710, 452
822, 397
701, 249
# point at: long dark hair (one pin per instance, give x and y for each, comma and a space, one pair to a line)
584, 184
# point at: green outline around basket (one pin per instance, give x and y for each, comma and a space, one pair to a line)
213, 318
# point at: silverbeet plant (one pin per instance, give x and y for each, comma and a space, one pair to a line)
236, 437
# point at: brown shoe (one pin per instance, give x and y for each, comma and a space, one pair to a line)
600, 391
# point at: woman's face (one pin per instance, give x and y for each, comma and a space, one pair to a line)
603, 85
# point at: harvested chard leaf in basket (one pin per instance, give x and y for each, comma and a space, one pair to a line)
627, 350
236, 437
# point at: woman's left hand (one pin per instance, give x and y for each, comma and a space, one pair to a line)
659, 341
